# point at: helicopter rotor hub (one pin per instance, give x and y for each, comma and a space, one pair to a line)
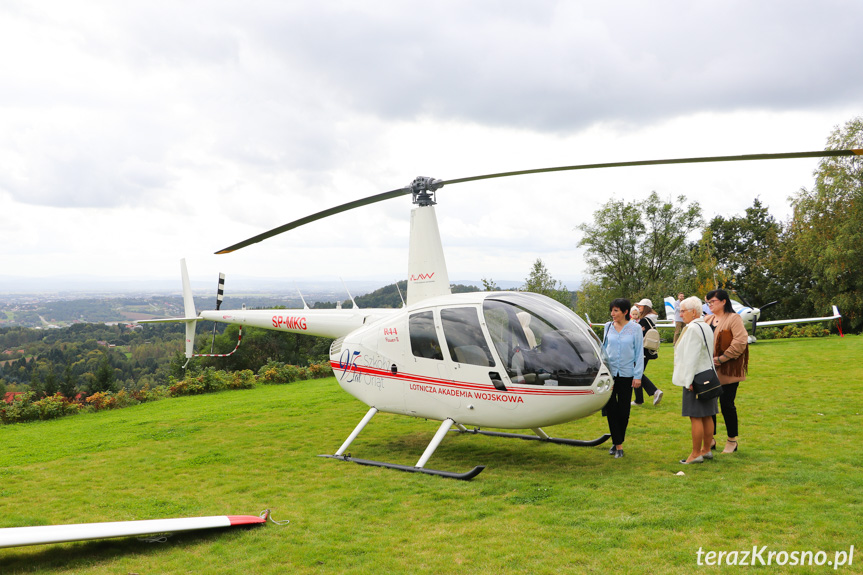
423, 190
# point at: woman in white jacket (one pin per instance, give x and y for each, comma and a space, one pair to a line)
693, 353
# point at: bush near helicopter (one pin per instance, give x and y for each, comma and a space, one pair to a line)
507, 360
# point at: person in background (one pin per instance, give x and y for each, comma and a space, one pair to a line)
622, 343
731, 358
647, 320
634, 314
692, 355
678, 320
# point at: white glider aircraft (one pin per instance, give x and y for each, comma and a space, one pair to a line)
751, 317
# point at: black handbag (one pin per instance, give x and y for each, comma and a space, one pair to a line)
706, 383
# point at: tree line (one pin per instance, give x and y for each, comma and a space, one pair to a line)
640, 249
88, 358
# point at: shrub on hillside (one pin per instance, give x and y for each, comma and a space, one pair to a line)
318, 370
275, 372
148, 393
110, 400
24, 407
55, 406
244, 379
21, 408
209, 380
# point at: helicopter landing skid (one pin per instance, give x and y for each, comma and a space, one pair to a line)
540, 436
448, 474
420, 466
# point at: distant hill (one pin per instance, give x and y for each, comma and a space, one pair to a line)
502, 284
388, 296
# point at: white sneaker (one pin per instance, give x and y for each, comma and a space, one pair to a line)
657, 397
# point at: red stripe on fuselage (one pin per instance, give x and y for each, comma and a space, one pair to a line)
464, 385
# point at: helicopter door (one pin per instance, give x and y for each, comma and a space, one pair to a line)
472, 360
430, 373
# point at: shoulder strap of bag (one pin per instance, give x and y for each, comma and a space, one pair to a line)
707, 349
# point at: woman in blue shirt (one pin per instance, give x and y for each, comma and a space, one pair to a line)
622, 342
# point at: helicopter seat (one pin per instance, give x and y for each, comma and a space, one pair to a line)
518, 366
472, 354
524, 320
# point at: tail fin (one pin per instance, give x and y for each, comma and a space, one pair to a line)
669, 308
190, 316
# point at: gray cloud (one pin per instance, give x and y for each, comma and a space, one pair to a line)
556, 67
117, 98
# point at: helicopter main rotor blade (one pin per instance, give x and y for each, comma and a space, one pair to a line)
438, 183
701, 160
317, 216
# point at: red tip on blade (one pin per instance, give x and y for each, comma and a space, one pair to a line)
245, 519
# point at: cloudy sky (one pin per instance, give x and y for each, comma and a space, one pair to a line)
135, 133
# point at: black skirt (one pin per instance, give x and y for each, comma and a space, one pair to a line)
695, 408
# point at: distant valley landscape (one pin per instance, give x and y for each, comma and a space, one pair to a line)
60, 302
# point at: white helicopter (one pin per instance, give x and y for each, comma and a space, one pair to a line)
507, 360
751, 316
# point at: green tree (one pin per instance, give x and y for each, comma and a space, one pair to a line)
826, 230
103, 379
51, 386
708, 274
540, 281
260, 346
794, 279
67, 385
592, 302
638, 249
745, 249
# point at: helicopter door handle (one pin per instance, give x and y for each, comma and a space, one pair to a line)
496, 380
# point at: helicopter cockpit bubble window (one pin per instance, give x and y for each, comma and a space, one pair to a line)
424, 341
464, 336
541, 342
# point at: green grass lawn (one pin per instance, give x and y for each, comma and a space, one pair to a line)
795, 484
